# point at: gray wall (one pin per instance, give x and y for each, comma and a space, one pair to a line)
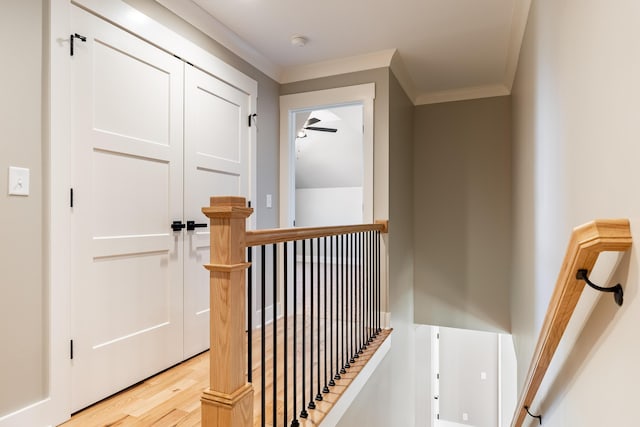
23, 296
462, 197
401, 258
576, 152
388, 397
268, 113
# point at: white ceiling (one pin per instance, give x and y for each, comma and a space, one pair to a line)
444, 49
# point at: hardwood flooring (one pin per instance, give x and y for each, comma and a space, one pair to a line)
172, 398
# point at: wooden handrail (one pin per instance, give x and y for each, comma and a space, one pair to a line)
279, 235
587, 241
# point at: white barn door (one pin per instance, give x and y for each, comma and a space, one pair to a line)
127, 176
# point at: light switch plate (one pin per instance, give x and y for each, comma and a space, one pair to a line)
18, 181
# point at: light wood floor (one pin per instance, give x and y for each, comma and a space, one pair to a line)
172, 398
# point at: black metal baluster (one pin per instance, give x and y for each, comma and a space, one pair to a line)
365, 265
304, 413
363, 261
327, 281
295, 422
249, 316
318, 394
262, 335
343, 350
349, 301
286, 342
274, 303
331, 311
371, 270
352, 304
312, 404
360, 293
378, 277
336, 376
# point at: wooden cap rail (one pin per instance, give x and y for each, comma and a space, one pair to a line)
587, 241
279, 235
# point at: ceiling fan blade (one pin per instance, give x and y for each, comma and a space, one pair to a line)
312, 121
321, 129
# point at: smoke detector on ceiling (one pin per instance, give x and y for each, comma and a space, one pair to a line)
298, 41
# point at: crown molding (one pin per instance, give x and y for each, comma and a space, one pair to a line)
461, 94
518, 26
203, 21
404, 78
334, 67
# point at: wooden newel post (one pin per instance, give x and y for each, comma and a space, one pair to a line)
229, 400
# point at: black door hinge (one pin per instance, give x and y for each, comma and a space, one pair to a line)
71, 349
71, 39
71, 197
251, 119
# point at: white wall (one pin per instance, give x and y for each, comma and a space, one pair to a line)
464, 356
321, 207
576, 101
508, 379
423, 369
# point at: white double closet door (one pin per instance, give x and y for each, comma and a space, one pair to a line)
153, 139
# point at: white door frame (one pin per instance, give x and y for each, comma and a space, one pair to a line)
289, 105
54, 408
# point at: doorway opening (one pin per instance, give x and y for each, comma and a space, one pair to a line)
329, 166
326, 157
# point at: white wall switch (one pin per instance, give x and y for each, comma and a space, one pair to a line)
465, 416
18, 181
269, 201
483, 375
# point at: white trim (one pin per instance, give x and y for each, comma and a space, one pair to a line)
353, 390
132, 20
462, 94
268, 316
59, 218
500, 391
209, 25
518, 26
385, 319
364, 94
334, 67
404, 78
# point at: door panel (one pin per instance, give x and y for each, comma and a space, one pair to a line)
216, 164
127, 303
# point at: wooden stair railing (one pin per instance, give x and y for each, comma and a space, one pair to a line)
228, 401
585, 245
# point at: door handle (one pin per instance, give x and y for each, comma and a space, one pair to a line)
177, 225
191, 225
